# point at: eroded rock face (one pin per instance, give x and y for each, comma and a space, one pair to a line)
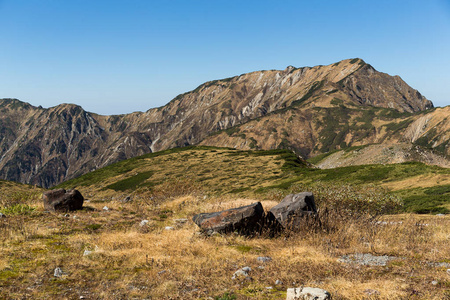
62, 200
48, 146
246, 219
292, 208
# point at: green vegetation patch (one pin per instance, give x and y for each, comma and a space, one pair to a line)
17, 209
131, 182
426, 200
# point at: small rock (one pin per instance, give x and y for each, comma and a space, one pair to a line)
371, 292
434, 282
264, 259
242, 273
105, 208
66, 215
168, 228
58, 272
127, 199
278, 282
75, 217
269, 288
162, 272
307, 293
181, 221
366, 259
143, 223
439, 264
2, 216
440, 215
448, 271
87, 252
261, 267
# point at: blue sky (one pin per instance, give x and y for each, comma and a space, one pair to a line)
115, 57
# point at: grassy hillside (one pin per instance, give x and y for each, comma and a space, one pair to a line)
107, 251
213, 170
219, 171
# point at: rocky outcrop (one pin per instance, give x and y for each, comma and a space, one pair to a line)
62, 200
48, 146
251, 219
246, 219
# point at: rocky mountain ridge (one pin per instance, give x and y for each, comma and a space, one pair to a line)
296, 108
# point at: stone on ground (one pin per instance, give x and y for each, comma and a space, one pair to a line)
246, 219
62, 200
292, 209
307, 293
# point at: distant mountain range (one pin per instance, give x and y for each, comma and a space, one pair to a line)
310, 110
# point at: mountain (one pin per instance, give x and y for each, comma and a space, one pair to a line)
310, 110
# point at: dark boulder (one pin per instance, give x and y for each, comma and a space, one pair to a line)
246, 220
292, 209
62, 200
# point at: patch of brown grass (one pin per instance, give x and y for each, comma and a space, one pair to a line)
133, 261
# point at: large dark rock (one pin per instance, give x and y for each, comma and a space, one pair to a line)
292, 209
62, 200
246, 219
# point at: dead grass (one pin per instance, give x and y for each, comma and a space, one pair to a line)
132, 261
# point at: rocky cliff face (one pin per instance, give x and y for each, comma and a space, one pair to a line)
309, 110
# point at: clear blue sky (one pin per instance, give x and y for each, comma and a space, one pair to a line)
115, 57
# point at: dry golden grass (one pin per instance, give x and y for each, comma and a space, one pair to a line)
133, 261
421, 181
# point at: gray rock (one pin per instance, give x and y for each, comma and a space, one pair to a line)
105, 208
2, 216
242, 274
168, 228
292, 209
87, 252
307, 293
438, 264
245, 219
366, 259
434, 282
62, 200
58, 272
264, 259
278, 282
371, 292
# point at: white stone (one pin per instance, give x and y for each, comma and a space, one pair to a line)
307, 293
143, 223
105, 208
58, 272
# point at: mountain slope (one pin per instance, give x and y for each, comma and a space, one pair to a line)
48, 146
